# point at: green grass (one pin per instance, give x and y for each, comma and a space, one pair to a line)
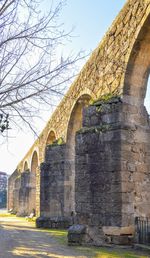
59, 234
7, 215
93, 252
109, 253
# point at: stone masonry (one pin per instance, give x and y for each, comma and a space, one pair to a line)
90, 164
112, 176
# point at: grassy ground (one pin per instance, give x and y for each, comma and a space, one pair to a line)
91, 252
5, 215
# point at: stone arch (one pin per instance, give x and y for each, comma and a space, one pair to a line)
26, 166
138, 67
51, 137
32, 191
34, 162
75, 121
134, 92
74, 124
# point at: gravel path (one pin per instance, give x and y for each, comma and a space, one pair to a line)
20, 239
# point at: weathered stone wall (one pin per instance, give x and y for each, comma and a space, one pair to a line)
24, 191
112, 170
98, 190
52, 182
52, 189
135, 149
112, 148
11, 187
20, 189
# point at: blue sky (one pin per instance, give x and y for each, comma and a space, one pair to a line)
90, 19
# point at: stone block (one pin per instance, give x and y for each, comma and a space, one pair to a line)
76, 234
117, 231
121, 240
53, 222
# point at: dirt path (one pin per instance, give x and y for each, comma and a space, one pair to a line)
20, 239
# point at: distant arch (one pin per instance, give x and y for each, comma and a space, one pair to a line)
34, 162
75, 121
51, 138
74, 124
26, 166
32, 193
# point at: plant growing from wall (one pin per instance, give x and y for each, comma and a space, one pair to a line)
59, 141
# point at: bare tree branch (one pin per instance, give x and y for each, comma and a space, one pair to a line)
32, 66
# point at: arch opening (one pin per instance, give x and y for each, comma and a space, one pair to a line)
51, 138
34, 162
137, 93
75, 124
138, 68
26, 167
32, 192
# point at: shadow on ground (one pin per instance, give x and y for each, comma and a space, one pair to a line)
20, 239
23, 241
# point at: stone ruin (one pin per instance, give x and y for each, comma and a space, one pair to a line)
90, 166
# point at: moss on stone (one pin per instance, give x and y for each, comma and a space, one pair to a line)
18, 177
95, 129
59, 141
107, 99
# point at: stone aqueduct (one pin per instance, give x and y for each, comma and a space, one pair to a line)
93, 156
